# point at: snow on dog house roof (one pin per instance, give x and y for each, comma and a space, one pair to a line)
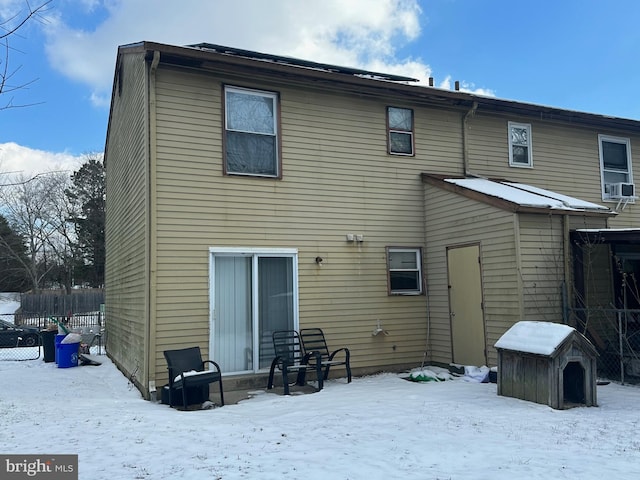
540, 338
517, 197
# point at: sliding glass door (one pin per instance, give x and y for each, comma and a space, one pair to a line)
254, 294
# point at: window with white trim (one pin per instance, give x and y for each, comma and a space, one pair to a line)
404, 267
520, 154
615, 164
400, 131
251, 132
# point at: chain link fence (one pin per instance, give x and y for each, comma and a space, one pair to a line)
616, 335
20, 334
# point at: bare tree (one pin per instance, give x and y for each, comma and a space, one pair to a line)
9, 27
37, 211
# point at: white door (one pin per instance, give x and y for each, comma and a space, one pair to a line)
254, 294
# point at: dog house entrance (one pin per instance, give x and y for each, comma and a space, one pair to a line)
573, 383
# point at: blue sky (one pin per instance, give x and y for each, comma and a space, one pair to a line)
575, 54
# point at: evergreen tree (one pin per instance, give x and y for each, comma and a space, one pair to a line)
13, 258
87, 195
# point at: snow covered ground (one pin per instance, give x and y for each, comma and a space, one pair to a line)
9, 303
379, 427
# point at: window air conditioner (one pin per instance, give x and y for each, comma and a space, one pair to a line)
621, 190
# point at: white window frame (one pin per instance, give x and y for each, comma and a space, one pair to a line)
611, 139
410, 133
417, 251
254, 253
275, 134
527, 127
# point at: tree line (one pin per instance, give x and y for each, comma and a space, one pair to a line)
51, 224
52, 229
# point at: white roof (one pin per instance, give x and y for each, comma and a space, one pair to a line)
541, 338
525, 195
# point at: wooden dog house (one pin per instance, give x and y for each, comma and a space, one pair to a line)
547, 363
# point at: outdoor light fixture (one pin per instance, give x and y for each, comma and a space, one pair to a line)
319, 261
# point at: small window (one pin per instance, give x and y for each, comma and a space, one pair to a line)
405, 271
615, 165
251, 132
520, 145
400, 127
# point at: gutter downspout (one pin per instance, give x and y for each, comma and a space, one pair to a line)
151, 297
465, 146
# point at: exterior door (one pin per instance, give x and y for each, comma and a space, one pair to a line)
465, 306
254, 294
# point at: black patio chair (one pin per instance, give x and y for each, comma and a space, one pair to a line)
290, 357
187, 372
313, 341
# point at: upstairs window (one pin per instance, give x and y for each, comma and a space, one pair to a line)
520, 145
251, 132
615, 167
404, 271
400, 130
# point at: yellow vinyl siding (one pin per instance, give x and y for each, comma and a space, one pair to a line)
453, 220
337, 179
542, 266
126, 278
566, 158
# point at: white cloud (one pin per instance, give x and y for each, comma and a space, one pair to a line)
16, 159
365, 34
467, 87
471, 88
12, 10
357, 33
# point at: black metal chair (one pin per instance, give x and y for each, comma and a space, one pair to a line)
187, 373
290, 357
313, 342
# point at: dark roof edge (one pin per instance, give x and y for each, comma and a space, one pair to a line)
296, 62
190, 56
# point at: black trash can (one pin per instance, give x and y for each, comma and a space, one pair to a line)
48, 338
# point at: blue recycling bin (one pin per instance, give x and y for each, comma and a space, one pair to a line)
58, 339
68, 355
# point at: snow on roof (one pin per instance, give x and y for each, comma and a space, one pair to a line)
607, 230
567, 200
540, 338
525, 195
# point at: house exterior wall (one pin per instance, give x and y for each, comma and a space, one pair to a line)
337, 179
542, 264
169, 203
565, 158
126, 278
496, 232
